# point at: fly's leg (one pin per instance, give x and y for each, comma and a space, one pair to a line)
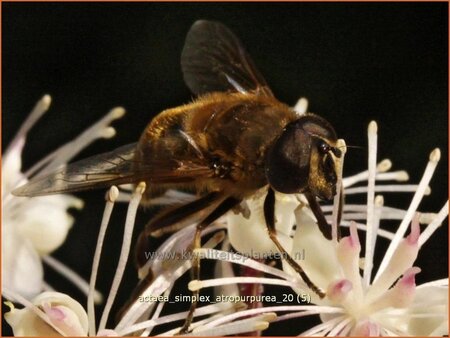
324, 227
269, 215
174, 217
223, 208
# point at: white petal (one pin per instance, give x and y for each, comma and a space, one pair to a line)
11, 165
429, 300
22, 269
62, 312
249, 236
319, 260
45, 222
403, 258
25, 323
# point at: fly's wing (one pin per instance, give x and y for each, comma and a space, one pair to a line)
113, 168
213, 59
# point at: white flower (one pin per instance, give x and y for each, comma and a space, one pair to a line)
33, 228
242, 232
355, 303
58, 314
49, 314
27, 221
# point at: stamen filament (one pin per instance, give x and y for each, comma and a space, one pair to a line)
297, 315
71, 276
428, 174
202, 284
402, 259
137, 309
14, 296
111, 196
38, 111
242, 260
368, 262
201, 311
382, 167
388, 188
69, 150
257, 323
400, 175
360, 226
434, 225
337, 202
323, 328
47, 287
370, 233
124, 253
338, 328
161, 283
439, 282
157, 312
281, 308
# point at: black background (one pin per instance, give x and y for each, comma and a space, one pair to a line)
355, 62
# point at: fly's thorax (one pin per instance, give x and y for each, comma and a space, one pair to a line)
238, 125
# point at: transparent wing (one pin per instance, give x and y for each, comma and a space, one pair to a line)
113, 168
213, 59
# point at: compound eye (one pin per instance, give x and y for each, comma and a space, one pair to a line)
324, 147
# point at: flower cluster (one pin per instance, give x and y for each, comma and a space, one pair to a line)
361, 299
33, 228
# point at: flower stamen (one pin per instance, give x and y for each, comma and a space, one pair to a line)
111, 196
428, 174
124, 252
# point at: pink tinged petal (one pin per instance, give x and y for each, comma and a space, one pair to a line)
49, 314
54, 313
25, 323
414, 235
402, 259
401, 295
403, 292
338, 291
366, 328
429, 170
65, 319
348, 250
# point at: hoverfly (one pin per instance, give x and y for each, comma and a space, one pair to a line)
233, 140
